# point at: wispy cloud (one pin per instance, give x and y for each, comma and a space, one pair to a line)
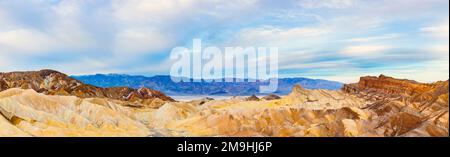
374, 38
135, 41
365, 50
275, 36
440, 31
331, 4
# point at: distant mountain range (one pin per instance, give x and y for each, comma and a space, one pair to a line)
164, 84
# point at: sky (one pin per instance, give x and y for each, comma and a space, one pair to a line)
339, 40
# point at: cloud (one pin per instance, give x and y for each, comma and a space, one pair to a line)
374, 38
136, 41
62, 31
149, 11
5, 21
32, 41
168, 16
402, 10
440, 31
439, 34
275, 36
156, 26
66, 24
365, 50
442, 49
279, 33
25, 41
321, 38
318, 65
330, 4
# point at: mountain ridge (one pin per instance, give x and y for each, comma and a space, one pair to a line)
165, 84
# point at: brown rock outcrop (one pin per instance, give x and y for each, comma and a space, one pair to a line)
3, 85
391, 87
51, 82
405, 107
252, 98
271, 97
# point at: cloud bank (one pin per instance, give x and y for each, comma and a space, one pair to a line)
330, 39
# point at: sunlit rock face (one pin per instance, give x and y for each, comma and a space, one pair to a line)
374, 107
405, 107
301, 113
27, 113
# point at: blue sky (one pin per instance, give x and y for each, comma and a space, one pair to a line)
327, 39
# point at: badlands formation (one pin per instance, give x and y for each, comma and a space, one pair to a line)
48, 103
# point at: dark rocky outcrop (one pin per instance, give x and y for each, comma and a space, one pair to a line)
271, 97
252, 98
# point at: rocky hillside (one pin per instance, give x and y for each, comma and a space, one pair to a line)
51, 82
28, 113
374, 107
